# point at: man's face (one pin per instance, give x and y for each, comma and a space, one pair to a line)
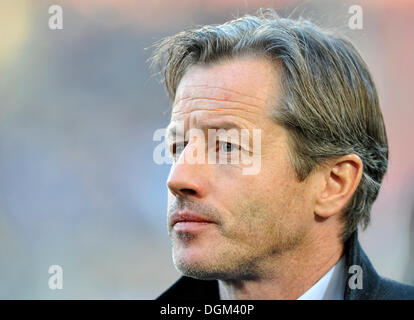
252, 219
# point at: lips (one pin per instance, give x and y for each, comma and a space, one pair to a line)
188, 217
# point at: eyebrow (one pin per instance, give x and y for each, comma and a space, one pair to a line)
205, 125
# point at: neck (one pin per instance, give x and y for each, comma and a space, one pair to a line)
288, 275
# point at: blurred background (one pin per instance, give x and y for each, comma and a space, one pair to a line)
78, 109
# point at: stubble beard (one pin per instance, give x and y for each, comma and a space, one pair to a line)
231, 263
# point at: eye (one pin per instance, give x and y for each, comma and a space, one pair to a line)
177, 148
227, 146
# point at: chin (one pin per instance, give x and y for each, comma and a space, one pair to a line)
194, 270
203, 268
194, 262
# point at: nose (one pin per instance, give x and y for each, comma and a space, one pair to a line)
188, 179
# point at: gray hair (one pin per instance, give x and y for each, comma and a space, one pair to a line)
329, 103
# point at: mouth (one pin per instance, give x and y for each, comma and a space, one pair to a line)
189, 221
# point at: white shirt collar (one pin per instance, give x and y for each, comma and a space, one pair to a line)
330, 287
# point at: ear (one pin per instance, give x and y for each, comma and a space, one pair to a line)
340, 179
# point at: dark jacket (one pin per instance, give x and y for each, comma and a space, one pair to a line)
373, 285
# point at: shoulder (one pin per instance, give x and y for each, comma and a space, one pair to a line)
391, 290
374, 286
186, 288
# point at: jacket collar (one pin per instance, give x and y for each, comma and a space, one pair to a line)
358, 264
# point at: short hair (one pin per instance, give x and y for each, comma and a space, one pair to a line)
329, 103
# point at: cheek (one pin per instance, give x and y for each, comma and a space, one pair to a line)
170, 198
284, 196
277, 183
273, 184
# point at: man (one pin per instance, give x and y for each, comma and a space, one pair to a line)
288, 231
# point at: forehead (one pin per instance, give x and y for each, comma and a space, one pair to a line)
239, 86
